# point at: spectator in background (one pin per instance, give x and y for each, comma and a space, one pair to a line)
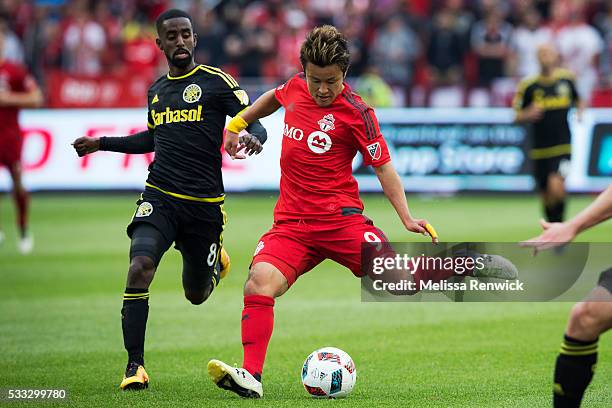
463, 20
487, 7
394, 50
13, 50
139, 50
110, 57
543, 7
445, 50
579, 46
290, 41
526, 39
355, 27
211, 31
84, 42
35, 42
373, 89
491, 44
603, 22
257, 45
354, 31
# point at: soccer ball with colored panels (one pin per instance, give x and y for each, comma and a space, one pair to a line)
329, 373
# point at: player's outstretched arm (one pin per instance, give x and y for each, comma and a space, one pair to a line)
138, 143
557, 233
394, 190
265, 105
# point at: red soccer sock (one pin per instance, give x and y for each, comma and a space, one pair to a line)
22, 200
257, 325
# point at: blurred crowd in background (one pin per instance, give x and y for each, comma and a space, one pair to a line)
404, 53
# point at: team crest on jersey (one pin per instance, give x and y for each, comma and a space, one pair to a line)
192, 93
319, 142
242, 96
563, 89
374, 150
155, 99
327, 123
144, 210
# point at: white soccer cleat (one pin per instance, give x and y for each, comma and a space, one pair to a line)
496, 266
234, 379
26, 245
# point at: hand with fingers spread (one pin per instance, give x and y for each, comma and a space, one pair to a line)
555, 234
558, 233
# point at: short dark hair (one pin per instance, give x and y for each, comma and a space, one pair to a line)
325, 46
168, 14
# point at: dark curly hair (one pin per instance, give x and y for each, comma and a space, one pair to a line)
325, 46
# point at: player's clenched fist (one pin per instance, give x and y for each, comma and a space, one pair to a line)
86, 145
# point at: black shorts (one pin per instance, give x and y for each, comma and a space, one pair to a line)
542, 168
195, 228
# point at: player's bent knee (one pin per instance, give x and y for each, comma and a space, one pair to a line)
586, 320
197, 298
142, 269
264, 279
255, 285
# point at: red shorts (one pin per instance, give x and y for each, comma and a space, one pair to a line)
10, 149
295, 247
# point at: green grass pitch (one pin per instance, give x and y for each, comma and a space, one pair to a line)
60, 316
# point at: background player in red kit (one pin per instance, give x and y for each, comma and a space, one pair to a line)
17, 90
319, 213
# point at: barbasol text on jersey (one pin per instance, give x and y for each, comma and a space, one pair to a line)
176, 115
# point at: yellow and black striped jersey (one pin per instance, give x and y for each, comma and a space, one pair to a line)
555, 95
187, 115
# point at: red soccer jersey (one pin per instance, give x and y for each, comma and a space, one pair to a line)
319, 145
13, 78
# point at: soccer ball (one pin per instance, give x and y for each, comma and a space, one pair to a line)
329, 373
